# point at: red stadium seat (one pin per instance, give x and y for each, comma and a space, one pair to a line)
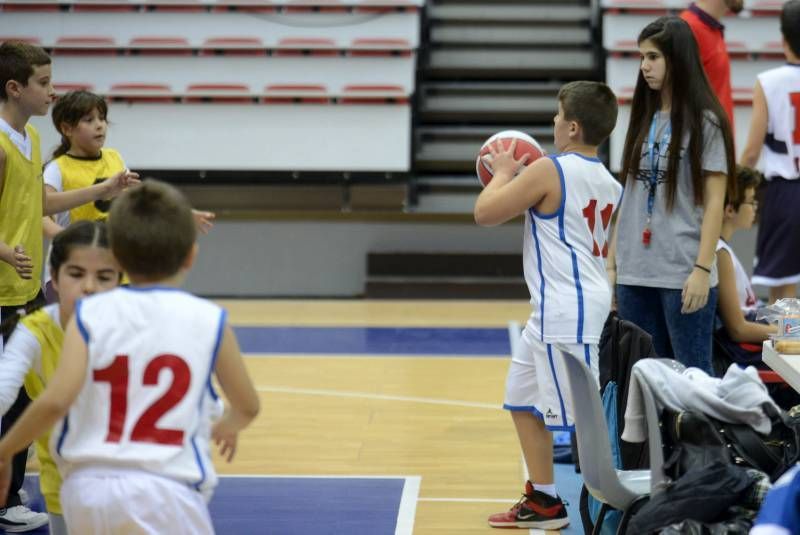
22, 39
160, 45
62, 88
86, 41
296, 93
233, 46
142, 92
385, 6
174, 5
86, 45
323, 6
373, 46
373, 94
219, 92
94, 6
32, 6
247, 6
296, 46
742, 95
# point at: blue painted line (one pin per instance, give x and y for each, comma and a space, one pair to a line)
302, 506
374, 340
293, 506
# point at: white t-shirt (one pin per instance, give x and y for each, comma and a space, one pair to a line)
52, 178
21, 141
21, 353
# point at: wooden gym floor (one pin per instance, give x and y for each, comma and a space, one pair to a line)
409, 389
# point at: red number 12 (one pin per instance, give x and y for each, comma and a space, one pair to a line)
145, 429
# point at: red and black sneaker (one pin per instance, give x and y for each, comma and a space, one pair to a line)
534, 510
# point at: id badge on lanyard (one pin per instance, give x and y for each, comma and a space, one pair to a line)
653, 149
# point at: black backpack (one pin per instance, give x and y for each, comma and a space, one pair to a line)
693, 440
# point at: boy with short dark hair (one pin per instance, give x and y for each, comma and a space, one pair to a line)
134, 456
25, 89
568, 200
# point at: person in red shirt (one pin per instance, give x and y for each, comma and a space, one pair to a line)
704, 18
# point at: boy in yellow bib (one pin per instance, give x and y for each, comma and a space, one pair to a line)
26, 89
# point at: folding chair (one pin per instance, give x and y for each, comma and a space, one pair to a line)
618, 489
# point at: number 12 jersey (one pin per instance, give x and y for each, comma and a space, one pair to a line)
147, 398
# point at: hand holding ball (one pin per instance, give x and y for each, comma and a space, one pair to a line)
526, 151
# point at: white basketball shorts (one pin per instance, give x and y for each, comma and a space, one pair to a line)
130, 502
537, 379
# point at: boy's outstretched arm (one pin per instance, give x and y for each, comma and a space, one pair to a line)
503, 198
238, 388
52, 405
758, 128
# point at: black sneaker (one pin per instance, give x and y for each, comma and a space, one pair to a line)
535, 510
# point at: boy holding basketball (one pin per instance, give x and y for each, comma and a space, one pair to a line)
134, 384
568, 199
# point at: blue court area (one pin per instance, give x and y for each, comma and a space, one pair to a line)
303, 505
375, 341
326, 506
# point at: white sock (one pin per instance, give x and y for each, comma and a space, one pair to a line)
547, 489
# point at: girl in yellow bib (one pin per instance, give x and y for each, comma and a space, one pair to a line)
81, 264
81, 161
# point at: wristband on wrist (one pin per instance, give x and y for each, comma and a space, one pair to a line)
698, 266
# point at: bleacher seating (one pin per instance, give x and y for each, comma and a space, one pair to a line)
753, 44
129, 33
660, 6
237, 85
744, 36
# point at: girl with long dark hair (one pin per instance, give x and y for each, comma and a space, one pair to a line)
677, 165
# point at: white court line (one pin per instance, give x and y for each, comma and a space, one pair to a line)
407, 510
514, 333
466, 500
368, 395
315, 476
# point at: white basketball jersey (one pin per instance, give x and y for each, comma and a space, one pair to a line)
147, 397
564, 254
782, 144
748, 301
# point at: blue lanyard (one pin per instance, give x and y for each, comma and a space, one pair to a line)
653, 150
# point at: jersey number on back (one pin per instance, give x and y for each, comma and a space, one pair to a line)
590, 214
145, 429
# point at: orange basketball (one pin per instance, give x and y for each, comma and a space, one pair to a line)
525, 145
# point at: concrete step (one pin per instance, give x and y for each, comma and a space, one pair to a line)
421, 266
487, 102
513, 63
454, 149
490, 35
510, 11
444, 289
426, 275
